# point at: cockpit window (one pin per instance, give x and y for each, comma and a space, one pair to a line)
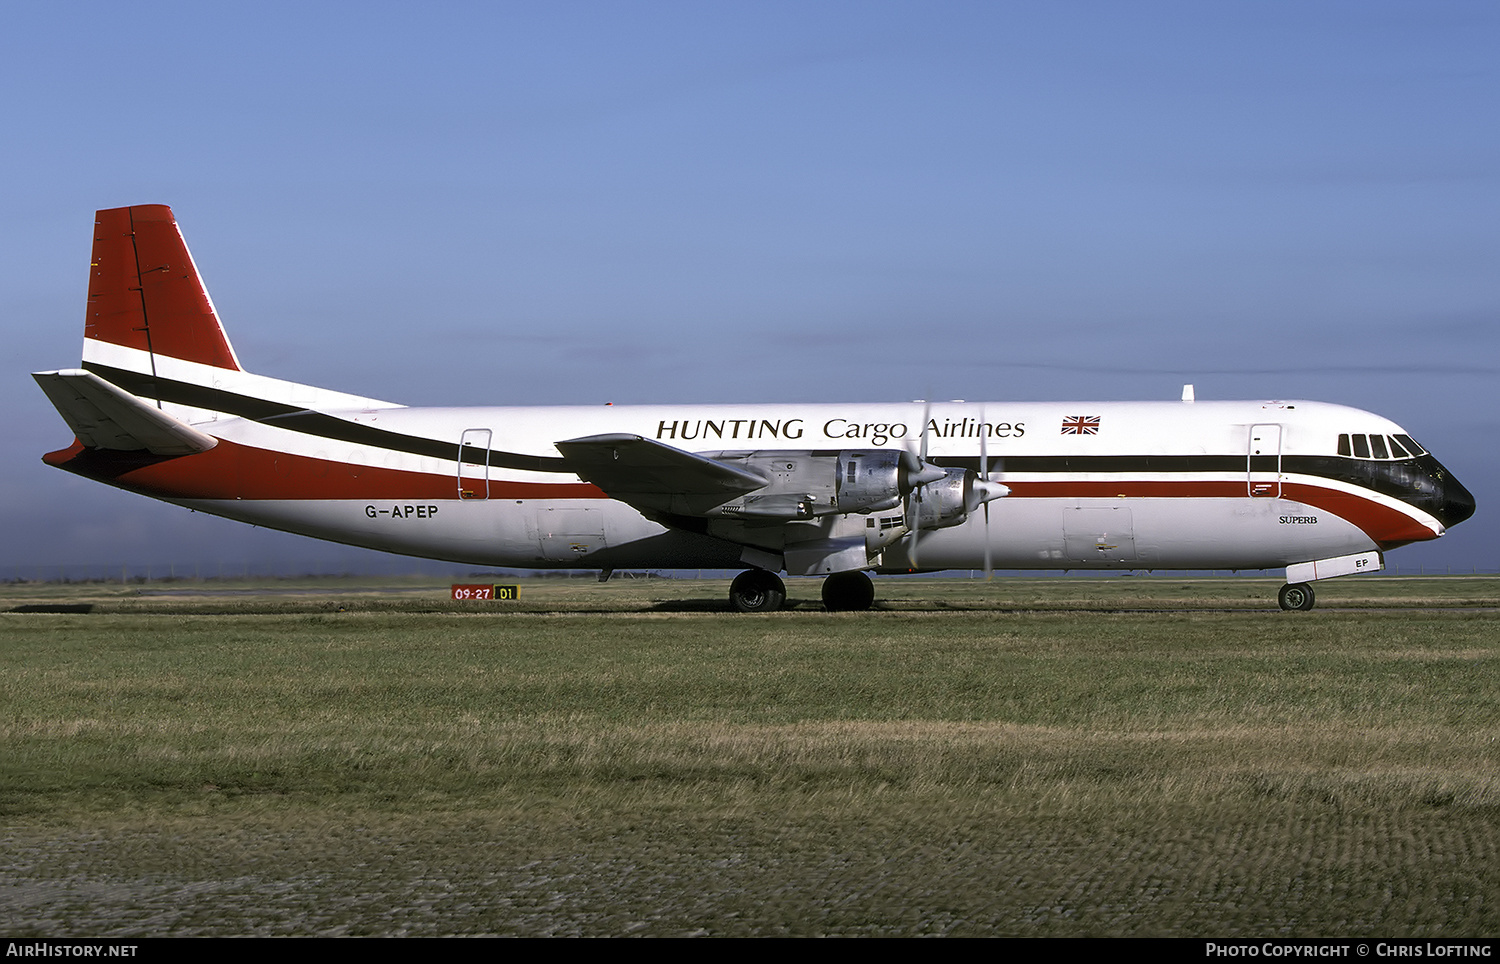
1411, 446
1384, 447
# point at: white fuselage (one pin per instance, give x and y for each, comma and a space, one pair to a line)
1084, 491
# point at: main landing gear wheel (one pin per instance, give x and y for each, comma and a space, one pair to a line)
1297, 596
848, 592
757, 591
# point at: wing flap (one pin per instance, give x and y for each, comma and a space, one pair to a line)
106, 417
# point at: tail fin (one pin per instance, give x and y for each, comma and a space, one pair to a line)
145, 296
153, 333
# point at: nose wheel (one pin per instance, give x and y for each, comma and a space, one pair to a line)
1296, 597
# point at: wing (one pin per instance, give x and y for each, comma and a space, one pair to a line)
819, 509
647, 474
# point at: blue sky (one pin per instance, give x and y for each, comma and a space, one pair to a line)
499, 203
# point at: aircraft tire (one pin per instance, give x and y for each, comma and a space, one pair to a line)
1296, 597
848, 592
757, 591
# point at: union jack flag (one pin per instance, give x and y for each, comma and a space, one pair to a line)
1081, 425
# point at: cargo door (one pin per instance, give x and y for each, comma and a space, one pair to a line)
566, 533
1098, 534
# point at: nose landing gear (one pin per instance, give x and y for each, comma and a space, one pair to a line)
1296, 597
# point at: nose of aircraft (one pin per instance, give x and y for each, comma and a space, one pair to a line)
1425, 484
1455, 503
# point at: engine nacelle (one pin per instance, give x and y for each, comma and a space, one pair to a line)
949, 500
871, 480
807, 484
944, 503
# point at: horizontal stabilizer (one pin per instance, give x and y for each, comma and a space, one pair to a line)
626, 465
106, 417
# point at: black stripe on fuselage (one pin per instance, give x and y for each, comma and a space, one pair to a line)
294, 419
1421, 481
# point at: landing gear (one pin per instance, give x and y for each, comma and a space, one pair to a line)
757, 591
848, 592
1296, 596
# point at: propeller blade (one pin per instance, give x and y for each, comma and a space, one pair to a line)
989, 563
984, 479
985, 490
927, 417
915, 470
912, 519
927, 473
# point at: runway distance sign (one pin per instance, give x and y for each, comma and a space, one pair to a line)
468, 593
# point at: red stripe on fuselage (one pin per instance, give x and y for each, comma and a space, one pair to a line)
231, 470
1387, 527
235, 471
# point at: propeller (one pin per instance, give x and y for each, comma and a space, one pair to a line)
930, 473
984, 479
978, 489
985, 491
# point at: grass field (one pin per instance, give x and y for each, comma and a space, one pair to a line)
1125, 756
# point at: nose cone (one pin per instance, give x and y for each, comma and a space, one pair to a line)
1432, 488
1455, 503
1424, 484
